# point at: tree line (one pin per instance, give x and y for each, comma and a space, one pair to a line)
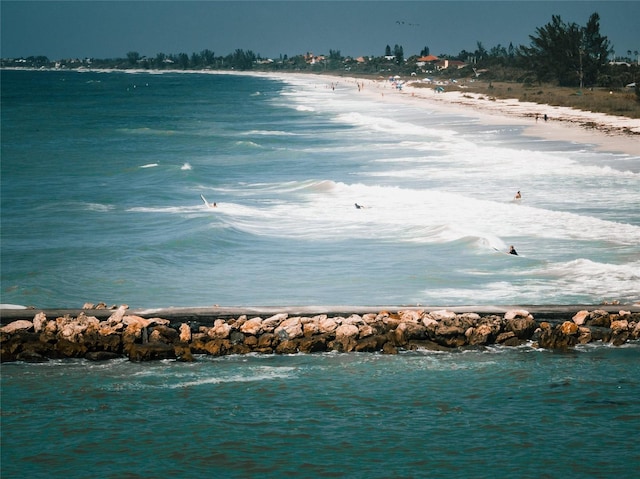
563, 53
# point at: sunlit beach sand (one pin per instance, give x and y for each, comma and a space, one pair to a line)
606, 132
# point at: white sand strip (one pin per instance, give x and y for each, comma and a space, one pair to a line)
604, 132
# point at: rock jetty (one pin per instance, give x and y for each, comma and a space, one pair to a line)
123, 334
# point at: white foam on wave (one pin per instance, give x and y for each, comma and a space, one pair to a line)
576, 280
12, 306
196, 375
584, 276
325, 210
393, 126
268, 133
149, 165
186, 166
239, 378
196, 208
98, 207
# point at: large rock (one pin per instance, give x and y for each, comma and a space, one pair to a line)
517, 313
39, 322
70, 349
73, 329
117, 315
410, 315
270, 324
347, 331
220, 330
598, 318
619, 325
635, 333
326, 325
569, 328
13, 327
522, 326
481, 335
164, 334
252, 327
313, 344
442, 314
151, 352
580, 317
310, 327
370, 344
185, 333
288, 346
557, 338
290, 328
217, 347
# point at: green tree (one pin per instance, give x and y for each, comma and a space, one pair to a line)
335, 55
243, 60
567, 53
183, 60
387, 51
595, 50
133, 57
208, 57
398, 52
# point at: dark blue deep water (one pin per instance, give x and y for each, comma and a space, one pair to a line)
498, 413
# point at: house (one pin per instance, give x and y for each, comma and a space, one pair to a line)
444, 64
426, 59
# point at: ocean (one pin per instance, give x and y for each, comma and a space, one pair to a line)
102, 177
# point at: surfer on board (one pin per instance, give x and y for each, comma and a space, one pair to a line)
512, 250
518, 196
359, 207
207, 204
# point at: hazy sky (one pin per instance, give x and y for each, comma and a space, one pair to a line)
109, 29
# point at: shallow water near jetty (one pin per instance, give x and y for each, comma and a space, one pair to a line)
102, 175
500, 412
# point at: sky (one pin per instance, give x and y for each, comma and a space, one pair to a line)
111, 29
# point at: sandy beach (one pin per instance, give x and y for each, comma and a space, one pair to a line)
605, 132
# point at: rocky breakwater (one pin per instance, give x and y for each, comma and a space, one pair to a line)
142, 339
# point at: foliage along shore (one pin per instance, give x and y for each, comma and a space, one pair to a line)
565, 64
123, 334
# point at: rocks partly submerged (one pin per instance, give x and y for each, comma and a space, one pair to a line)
138, 338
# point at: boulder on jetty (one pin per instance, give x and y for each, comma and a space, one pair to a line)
140, 338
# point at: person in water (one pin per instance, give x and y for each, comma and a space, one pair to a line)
358, 207
518, 195
512, 250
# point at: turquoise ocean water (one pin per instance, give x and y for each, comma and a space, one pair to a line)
101, 181
102, 175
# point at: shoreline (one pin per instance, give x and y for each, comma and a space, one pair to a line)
604, 132
617, 134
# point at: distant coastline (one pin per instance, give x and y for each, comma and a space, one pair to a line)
606, 132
